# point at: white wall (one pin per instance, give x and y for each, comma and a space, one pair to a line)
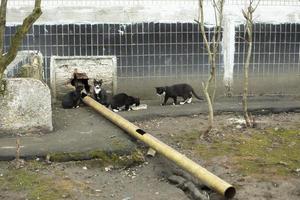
122, 12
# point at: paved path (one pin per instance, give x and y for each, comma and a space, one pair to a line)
261, 105
83, 130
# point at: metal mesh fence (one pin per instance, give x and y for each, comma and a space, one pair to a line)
151, 49
142, 49
88, 3
276, 49
164, 49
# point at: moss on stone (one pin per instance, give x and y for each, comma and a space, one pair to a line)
118, 144
103, 158
30, 71
63, 157
3, 86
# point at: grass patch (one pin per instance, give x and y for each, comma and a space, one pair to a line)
268, 152
37, 186
34, 186
271, 152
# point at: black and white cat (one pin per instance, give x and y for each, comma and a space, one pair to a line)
123, 100
178, 90
72, 99
100, 94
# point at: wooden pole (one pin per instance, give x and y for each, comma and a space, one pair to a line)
179, 159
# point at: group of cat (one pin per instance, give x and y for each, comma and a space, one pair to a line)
123, 101
117, 102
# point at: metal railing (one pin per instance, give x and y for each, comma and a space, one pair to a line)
165, 49
88, 3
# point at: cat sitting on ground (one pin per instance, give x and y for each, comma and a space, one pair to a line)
100, 94
120, 100
72, 99
84, 82
178, 90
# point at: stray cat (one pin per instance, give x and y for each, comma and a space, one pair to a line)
72, 99
179, 90
100, 94
122, 99
84, 82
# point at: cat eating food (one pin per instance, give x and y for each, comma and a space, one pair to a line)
123, 100
178, 90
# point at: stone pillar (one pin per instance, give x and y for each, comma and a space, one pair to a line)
34, 69
228, 52
25, 106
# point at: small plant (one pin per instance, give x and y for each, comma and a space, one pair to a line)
19, 162
212, 47
248, 15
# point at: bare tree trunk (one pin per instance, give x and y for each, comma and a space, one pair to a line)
210, 108
2, 23
18, 162
6, 59
209, 90
248, 15
246, 83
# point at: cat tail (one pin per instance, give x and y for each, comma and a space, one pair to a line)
194, 93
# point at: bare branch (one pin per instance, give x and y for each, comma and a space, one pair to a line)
21, 32
212, 48
201, 26
253, 10
248, 15
218, 27
2, 23
244, 14
216, 8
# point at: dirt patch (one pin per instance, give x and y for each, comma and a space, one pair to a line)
262, 163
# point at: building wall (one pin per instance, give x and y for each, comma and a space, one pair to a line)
158, 42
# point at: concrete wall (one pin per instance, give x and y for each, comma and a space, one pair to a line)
25, 107
158, 11
96, 67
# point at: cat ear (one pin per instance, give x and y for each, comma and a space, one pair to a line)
101, 81
95, 80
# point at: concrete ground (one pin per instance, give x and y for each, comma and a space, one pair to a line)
82, 131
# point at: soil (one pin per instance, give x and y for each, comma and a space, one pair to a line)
261, 162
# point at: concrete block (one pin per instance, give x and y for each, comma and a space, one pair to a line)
27, 64
99, 67
33, 69
25, 106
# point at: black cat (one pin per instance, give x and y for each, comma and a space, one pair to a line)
100, 94
122, 99
179, 90
72, 99
81, 82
